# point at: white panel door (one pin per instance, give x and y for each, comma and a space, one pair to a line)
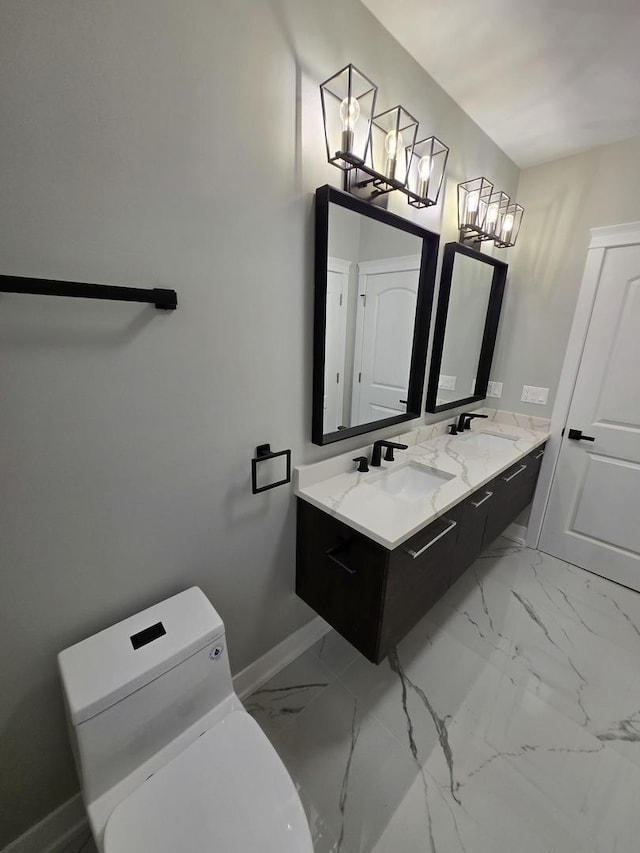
386, 310
335, 342
593, 515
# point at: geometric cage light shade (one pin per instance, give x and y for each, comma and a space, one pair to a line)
496, 210
510, 223
473, 203
348, 105
393, 136
427, 166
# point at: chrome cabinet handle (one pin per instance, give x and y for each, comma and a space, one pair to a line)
515, 474
476, 504
540, 455
415, 554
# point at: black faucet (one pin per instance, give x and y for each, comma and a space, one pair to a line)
363, 464
376, 456
464, 421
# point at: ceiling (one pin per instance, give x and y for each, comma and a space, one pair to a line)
543, 78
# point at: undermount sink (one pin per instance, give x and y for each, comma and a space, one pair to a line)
411, 482
490, 440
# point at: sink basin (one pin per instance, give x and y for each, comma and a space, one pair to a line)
490, 440
411, 482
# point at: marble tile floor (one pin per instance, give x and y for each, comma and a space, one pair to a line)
507, 721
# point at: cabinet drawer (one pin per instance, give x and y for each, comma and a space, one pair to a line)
418, 575
340, 573
513, 491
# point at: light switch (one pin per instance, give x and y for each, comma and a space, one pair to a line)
494, 389
533, 394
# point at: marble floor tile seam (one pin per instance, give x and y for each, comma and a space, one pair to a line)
368, 707
404, 740
618, 727
596, 586
521, 673
342, 738
591, 744
278, 719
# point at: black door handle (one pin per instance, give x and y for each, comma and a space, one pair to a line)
576, 435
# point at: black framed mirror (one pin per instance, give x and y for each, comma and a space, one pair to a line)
374, 284
469, 302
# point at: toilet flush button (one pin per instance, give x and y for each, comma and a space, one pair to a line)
216, 651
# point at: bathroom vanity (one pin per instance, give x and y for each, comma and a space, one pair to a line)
376, 550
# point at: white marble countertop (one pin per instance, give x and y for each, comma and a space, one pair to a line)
334, 485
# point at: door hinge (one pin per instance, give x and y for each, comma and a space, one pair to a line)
340, 299
337, 377
364, 299
359, 377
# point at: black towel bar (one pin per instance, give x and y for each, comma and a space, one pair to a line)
162, 298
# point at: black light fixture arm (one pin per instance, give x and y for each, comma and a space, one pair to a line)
162, 298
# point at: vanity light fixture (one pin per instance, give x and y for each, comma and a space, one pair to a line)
378, 153
485, 213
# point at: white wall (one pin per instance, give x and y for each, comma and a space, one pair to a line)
562, 201
177, 145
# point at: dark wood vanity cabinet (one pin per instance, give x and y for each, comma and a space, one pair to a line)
512, 492
372, 595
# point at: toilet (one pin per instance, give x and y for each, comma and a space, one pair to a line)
168, 758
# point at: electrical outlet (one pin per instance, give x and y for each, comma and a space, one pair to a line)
533, 394
447, 383
494, 389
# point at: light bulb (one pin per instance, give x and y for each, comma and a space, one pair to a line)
425, 165
492, 215
471, 211
349, 115
507, 224
393, 144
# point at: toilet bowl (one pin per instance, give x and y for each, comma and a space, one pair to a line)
168, 758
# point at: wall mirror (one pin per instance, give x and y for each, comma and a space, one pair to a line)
374, 283
469, 302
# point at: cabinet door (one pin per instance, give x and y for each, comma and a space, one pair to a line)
418, 575
340, 573
513, 491
473, 518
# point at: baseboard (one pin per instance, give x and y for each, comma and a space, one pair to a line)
58, 829
517, 533
261, 670
55, 831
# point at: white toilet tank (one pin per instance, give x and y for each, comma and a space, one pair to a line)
137, 686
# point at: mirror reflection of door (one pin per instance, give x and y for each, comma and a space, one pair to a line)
468, 302
387, 296
369, 337
335, 342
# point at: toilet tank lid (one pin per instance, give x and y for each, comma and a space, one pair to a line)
103, 669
